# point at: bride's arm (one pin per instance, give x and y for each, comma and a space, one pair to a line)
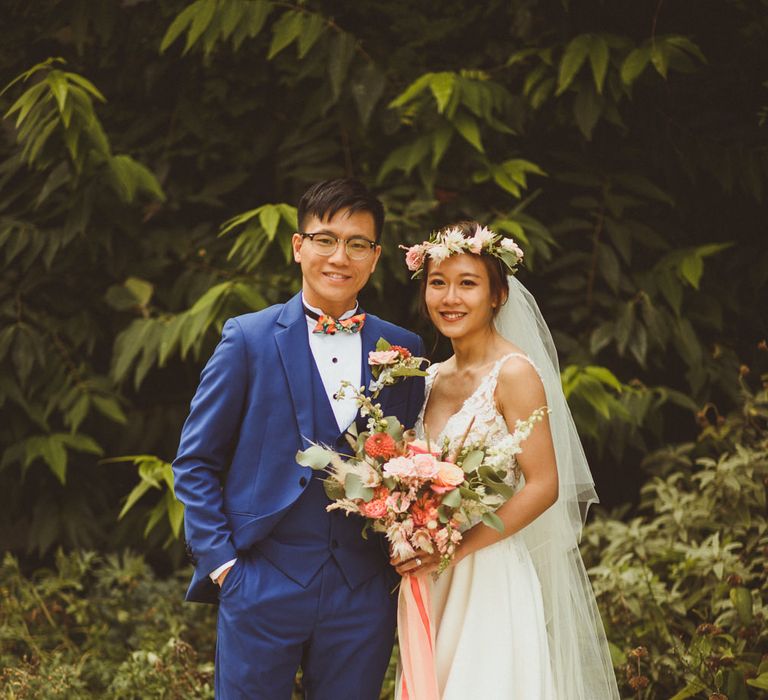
519, 393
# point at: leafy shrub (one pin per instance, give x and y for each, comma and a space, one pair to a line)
102, 627
683, 585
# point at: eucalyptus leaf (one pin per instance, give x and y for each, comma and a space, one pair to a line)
472, 461
315, 457
494, 521
452, 498
354, 488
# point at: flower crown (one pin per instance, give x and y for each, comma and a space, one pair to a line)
451, 241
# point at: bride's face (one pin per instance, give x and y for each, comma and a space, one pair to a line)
458, 295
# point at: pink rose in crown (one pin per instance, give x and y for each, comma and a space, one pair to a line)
382, 357
426, 466
414, 257
419, 447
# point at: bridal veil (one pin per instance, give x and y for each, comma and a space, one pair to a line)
581, 662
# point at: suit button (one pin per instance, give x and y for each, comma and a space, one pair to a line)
303, 481
335, 544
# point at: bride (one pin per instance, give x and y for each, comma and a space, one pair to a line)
514, 616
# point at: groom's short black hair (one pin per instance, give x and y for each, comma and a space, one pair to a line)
325, 199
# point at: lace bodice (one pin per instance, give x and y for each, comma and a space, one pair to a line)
489, 426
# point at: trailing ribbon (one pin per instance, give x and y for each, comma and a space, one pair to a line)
417, 641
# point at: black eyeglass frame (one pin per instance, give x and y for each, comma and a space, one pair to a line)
311, 236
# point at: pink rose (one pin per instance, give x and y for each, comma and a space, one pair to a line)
377, 508
382, 357
426, 466
400, 468
414, 257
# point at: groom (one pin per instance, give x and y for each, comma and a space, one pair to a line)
296, 585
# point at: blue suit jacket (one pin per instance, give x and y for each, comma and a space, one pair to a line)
235, 471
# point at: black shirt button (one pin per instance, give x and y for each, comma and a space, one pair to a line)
334, 360
303, 481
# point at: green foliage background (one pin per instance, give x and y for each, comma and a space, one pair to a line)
151, 155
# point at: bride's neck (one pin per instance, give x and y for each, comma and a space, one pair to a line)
475, 349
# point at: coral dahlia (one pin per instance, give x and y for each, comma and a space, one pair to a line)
381, 445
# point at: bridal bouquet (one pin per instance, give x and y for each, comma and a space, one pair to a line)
421, 495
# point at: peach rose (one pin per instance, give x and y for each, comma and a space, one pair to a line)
449, 474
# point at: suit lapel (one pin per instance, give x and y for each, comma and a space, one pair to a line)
296, 357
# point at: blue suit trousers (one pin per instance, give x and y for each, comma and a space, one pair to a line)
269, 625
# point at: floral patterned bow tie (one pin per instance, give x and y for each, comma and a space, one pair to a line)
330, 325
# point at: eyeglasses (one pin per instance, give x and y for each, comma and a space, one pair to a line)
325, 244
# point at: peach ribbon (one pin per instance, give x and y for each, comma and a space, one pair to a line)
417, 641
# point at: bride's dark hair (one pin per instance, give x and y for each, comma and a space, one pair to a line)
497, 275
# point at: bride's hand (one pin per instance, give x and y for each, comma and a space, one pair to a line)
422, 563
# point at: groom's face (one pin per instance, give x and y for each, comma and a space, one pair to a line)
332, 282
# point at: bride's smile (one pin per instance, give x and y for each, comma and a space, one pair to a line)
458, 296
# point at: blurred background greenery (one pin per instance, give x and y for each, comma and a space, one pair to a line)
151, 157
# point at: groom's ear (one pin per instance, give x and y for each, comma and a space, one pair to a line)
376, 256
296, 241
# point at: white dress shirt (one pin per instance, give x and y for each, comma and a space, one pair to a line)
338, 357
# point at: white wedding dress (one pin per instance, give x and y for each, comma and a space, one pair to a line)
487, 610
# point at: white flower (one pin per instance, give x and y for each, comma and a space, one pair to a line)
398, 535
483, 237
439, 252
454, 239
421, 540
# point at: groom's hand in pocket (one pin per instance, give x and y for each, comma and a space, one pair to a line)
222, 576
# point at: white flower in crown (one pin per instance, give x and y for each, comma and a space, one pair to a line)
439, 252
482, 239
452, 241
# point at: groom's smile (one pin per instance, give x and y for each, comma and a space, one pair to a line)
331, 278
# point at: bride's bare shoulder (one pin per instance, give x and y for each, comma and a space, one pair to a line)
519, 389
